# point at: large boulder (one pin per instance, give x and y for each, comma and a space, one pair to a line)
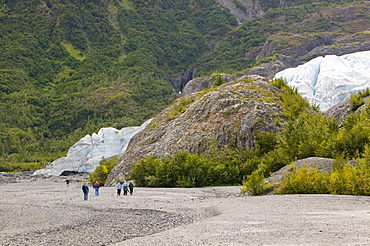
233, 114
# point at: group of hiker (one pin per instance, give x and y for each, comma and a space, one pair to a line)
127, 187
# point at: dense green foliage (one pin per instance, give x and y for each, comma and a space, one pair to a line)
349, 179
183, 169
69, 68
357, 100
101, 172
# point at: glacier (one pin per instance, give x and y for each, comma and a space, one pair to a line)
85, 155
326, 81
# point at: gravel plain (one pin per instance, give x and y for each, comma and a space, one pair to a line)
46, 212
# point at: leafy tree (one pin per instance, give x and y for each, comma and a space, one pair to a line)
100, 174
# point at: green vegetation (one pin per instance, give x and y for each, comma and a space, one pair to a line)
349, 179
255, 184
69, 68
223, 167
306, 133
179, 106
357, 100
101, 173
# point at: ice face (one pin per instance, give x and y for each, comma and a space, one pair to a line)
85, 155
326, 81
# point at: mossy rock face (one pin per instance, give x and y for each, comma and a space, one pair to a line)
232, 115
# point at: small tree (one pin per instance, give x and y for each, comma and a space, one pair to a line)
256, 184
101, 172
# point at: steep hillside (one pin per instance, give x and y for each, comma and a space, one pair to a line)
231, 115
301, 32
69, 68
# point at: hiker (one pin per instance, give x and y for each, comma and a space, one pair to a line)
131, 187
125, 188
85, 190
67, 182
119, 188
96, 186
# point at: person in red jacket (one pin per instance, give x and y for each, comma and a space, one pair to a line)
96, 187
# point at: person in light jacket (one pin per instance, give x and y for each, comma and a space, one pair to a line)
125, 188
119, 188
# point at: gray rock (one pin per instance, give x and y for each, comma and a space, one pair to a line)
250, 10
322, 164
271, 68
232, 115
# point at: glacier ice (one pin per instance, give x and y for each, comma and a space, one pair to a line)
326, 81
85, 155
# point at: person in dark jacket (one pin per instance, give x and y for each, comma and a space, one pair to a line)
131, 187
85, 190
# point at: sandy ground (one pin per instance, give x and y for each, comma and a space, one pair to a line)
47, 212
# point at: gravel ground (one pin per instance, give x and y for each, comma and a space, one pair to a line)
46, 212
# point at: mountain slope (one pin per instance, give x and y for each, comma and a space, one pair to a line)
302, 32
69, 68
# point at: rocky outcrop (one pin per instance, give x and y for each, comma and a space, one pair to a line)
271, 68
334, 41
178, 82
198, 84
341, 110
232, 115
242, 10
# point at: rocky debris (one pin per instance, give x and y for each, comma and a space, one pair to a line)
15, 177
102, 227
232, 114
49, 213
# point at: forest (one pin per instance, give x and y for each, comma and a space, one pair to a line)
69, 68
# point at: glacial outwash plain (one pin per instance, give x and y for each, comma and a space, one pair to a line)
39, 211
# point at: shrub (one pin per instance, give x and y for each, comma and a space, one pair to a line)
100, 174
347, 179
356, 101
351, 179
304, 180
256, 184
